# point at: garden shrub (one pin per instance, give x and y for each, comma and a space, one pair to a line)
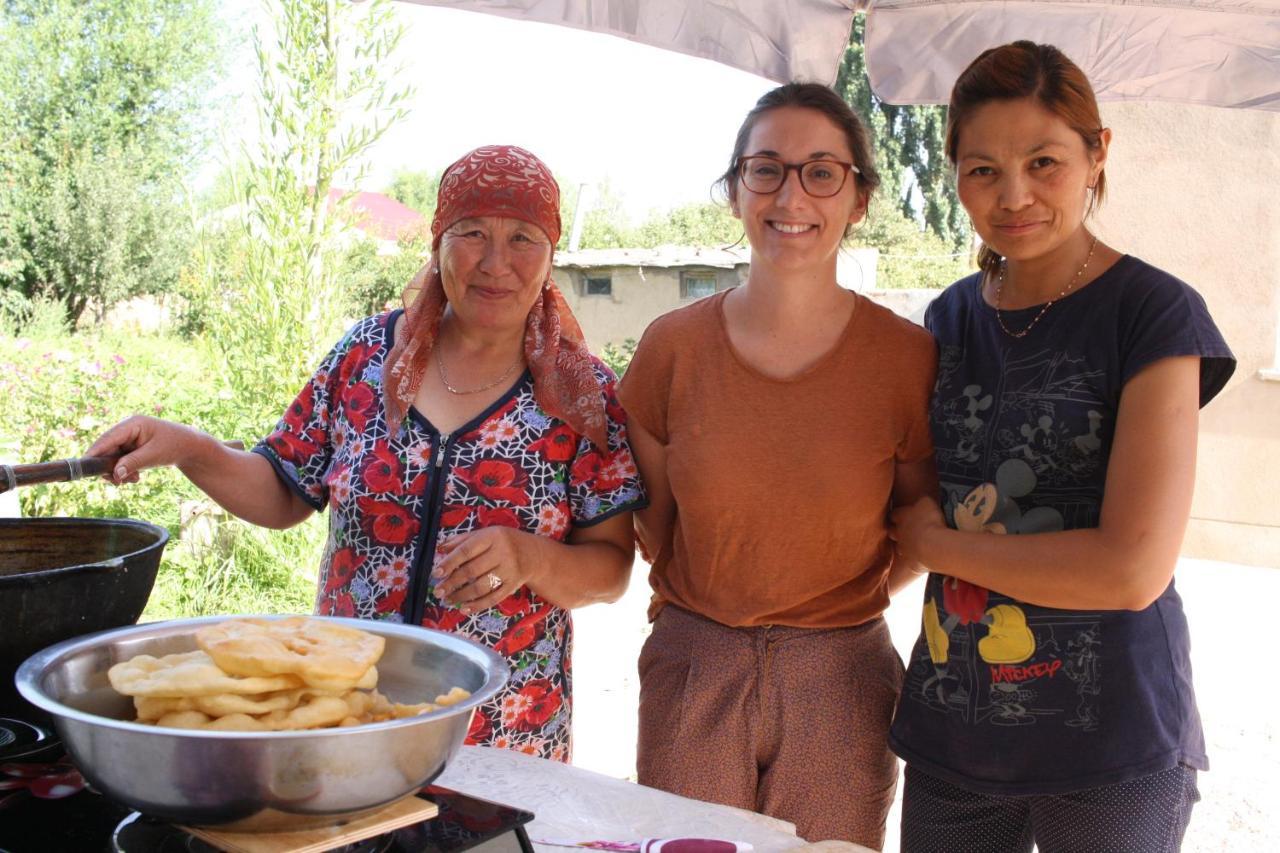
61, 393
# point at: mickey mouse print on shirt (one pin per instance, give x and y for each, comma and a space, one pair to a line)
987, 657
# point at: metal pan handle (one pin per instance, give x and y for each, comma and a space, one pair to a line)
65, 470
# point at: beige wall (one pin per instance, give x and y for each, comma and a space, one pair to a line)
1196, 191
639, 297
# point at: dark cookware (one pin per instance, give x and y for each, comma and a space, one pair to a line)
63, 577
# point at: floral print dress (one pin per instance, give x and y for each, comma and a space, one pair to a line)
395, 501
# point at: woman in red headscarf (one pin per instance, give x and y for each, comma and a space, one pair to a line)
470, 450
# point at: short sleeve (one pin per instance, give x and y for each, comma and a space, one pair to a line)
603, 483
1166, 318
645, 387
917, 438
299, 448
916, 369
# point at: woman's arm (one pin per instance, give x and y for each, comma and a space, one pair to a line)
1126, 562
594, 565
653, 523
242, 483
911, 482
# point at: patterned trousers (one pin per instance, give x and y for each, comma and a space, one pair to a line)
789, 722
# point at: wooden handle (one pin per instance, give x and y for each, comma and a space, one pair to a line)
65, 470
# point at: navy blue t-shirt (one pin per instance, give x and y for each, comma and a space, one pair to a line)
1011, 698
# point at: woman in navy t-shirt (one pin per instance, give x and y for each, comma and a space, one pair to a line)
1048, 700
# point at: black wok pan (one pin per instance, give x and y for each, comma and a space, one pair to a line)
63, 577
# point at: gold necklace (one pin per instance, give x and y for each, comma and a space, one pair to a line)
1070, 284
444, 379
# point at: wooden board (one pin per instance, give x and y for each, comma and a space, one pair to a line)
406, 812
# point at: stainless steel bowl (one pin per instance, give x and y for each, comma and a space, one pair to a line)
258, 781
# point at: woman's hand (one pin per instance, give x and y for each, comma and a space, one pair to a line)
240, 482
144, 442
910, 525
485, 566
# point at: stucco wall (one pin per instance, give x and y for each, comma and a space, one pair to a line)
1196, 191
639, 296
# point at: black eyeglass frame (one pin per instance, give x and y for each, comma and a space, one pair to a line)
799, 170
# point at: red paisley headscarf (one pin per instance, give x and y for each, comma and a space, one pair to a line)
500, 180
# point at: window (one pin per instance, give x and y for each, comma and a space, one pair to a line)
695, 285
597, 285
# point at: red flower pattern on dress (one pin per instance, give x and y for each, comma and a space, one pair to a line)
294, 448
343, 605
361, 402
522, 634
388, 522
559, 445
516, 604
618, 471
489, 516
342, 568
497, 480
443, 618
383, 473
393, 601
300, 409
481, 728
354, 363
587, 466
543, 700
508, 468
551, 521
455, 515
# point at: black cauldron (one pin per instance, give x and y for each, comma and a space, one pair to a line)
63, 577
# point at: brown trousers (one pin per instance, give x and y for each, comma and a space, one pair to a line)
789, 722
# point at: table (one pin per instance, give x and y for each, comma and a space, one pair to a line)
578, 805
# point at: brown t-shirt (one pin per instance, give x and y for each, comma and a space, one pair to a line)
781, 486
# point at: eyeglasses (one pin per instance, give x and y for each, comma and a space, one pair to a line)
819, 178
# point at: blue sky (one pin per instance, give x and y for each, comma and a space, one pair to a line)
658, 126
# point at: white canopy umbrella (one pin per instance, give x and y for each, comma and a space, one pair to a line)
1213, 52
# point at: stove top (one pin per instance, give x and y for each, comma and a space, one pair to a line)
46, 807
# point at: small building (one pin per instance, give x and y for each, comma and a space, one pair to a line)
617, 293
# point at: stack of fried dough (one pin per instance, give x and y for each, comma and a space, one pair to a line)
260, 675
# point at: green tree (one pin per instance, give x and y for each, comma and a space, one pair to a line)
618, 356
910, 148
694, 224
102, 107
266, 285
605, 225
374, 282
416, 189
909, 255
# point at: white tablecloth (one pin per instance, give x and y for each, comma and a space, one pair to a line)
577, 805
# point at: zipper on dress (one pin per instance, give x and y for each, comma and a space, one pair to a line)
426, 558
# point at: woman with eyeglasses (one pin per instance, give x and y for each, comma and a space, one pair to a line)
774, 425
